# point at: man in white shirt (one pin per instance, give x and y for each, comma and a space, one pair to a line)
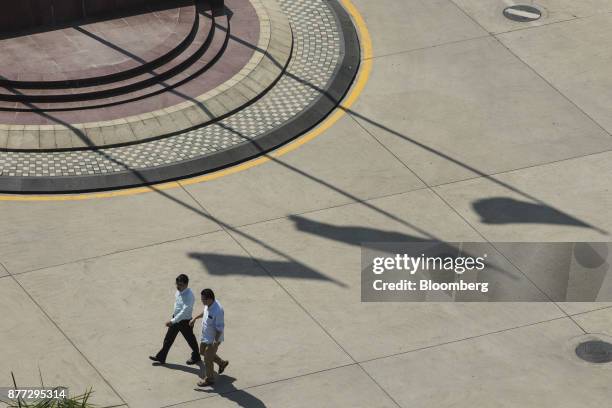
213, 326
183, 309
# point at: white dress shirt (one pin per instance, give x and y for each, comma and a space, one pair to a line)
213, 322
183, 306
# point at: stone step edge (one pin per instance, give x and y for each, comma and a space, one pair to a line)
121, 75
250, 83
163, 73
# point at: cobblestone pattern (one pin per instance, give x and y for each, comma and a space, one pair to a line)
317, 52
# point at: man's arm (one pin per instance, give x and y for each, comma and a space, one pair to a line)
192, 322
219, 325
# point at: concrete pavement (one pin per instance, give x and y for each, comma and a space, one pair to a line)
459, 135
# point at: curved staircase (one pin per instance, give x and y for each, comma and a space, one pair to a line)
196, 53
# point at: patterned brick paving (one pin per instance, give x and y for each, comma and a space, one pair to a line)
316, 54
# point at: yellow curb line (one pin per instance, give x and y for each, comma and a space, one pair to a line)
362, 79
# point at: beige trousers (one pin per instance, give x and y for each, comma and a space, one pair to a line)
209, 352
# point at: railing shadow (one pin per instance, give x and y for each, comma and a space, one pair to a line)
316, 179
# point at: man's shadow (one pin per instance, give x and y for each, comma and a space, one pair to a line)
225, 388
180, 367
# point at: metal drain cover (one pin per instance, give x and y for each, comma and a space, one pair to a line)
595, 351
522, 13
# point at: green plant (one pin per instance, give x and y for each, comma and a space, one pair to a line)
79, 401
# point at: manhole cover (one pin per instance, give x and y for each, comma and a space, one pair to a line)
522, 13
595, 351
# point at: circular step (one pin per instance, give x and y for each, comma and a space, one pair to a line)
320, 70
99, 52
225, 68
199, 42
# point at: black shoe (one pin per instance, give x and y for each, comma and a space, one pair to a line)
154, 358
223, 366
191, 361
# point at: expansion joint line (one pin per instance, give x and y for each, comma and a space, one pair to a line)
68, 339
227, 228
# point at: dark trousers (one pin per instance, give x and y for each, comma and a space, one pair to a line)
187, 332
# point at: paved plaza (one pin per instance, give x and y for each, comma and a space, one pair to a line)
454, 123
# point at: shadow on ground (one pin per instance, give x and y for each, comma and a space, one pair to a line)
505, 210
180, 367
352, 235
544, 213
227, 390
219, 265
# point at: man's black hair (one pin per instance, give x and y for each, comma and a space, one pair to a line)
182, 278
208, 294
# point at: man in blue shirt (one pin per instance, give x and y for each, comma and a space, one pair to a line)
183, 309
213, 326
